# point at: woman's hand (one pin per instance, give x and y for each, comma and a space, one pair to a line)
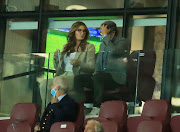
75, 62
56, 54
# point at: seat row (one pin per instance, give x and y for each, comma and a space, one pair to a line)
155, 117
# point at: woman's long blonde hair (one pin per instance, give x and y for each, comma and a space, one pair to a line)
71, 38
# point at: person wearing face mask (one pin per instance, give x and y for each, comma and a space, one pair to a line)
61, 107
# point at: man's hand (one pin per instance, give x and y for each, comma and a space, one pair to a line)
105, 30
37, 128
75, 62
56, 54
54, 100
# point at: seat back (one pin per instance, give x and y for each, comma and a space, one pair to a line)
63, 127
146, 60
25, 112
175, 123
146, 83
109, 126
114, 110
157, 109
133, 122
79, 122
150, 126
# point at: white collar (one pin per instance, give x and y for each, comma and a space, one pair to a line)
61, 97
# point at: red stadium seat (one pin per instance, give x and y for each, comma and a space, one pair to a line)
113, 111
175, 123
63, 127
153, 110
150, 126
80, 118
109, 126
77, 126
23, 116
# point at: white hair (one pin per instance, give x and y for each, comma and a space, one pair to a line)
62, 83
98, 127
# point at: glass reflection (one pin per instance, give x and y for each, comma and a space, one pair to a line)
21, 5
147, 3
83, 4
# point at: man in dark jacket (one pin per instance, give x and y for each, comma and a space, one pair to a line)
110, 68
61, 107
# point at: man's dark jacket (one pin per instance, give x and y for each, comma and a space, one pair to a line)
65, 110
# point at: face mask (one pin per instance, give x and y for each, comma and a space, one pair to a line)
53, 92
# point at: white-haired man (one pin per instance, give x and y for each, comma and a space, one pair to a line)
93, 126
61, 107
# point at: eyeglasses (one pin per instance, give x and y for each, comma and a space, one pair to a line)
81, 31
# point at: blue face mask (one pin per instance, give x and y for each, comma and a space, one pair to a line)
53, 92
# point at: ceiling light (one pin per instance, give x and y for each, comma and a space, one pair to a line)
76, 7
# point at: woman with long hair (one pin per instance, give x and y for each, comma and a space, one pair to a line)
77, 46
77, 57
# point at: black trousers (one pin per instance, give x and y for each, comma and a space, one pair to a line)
102, 81
80, 82
99, 82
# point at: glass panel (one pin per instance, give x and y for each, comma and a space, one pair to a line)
84, 86
22, 74
14, 63
27, 85
147, 3
30, 83
21, 5
83, 4
148, 34
176, 83
21, 36
139, 67
176, 89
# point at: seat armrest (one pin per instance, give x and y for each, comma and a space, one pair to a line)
20, 126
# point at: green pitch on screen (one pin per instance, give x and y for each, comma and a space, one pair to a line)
56, 40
